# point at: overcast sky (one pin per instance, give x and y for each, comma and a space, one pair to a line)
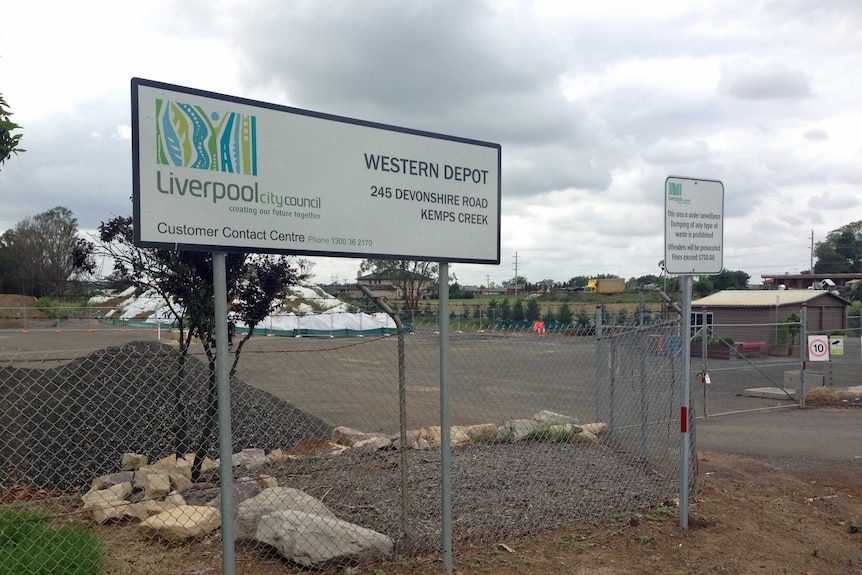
593, 103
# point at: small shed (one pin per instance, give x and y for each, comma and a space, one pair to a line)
754, 315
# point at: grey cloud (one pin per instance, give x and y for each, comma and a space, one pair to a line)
75, 161
416, 58
665, 151
650, 114
830, 201
545, 168
445, 67
742, 78
815, 135
791, 219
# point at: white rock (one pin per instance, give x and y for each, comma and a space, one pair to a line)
314, 540
373, 443
183, 522
107, 504
155, 482
250, 511
348, 436
552, 418
132, 461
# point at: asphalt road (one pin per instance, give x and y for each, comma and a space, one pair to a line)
793, 439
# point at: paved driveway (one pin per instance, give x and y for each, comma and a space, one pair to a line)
792, 439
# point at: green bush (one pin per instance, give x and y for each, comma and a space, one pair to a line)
29, 546
47, 306
789, 329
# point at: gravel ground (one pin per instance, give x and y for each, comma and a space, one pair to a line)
62, 427
499, 491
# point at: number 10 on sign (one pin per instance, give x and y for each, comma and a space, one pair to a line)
818, 348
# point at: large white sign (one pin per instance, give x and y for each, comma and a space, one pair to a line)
215, 172
694, 226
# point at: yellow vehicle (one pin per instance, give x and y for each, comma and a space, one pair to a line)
606, 285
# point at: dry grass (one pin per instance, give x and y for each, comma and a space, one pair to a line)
821, 396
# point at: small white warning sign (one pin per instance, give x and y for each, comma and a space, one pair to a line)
836, 345
818, 348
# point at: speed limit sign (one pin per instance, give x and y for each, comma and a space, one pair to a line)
818, 348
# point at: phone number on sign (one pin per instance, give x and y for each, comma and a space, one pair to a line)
334, 241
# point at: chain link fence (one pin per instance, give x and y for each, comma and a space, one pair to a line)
112, 430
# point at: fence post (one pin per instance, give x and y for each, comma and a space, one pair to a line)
402, 413
641, 308
644, 337
685, 445
599, 371
704, 366
598, 320
445, 431
803, 352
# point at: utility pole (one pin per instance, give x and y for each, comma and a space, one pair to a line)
811, 265
516, 273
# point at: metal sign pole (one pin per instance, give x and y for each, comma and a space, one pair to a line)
445, 445
224, 436
803, 352
684, 443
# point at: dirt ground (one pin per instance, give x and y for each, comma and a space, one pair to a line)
745, 517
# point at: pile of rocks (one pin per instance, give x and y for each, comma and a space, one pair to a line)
169, 506
301, 528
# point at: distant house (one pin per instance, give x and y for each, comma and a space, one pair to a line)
752, 315
381, 285
805, 281
515, 289
352, 291
483, 290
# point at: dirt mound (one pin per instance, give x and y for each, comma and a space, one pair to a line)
19, 306
62, 427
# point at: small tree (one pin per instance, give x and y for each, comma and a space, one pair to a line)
256, 285
564, 315
623, 317
789, 330
518, 311
532, 311
583, 318
505, 310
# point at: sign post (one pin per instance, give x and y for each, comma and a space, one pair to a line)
694, 244
218, 173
